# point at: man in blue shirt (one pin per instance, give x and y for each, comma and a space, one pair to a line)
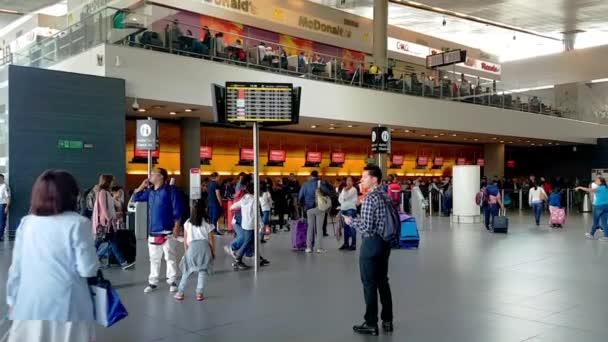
315, 216
164, 222
214, 201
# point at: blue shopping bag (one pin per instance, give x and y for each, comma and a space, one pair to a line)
109, 310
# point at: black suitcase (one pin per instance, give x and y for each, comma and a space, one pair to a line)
501, 224
127, 244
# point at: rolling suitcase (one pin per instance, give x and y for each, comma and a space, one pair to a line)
409, 237
298, 235
501, 223
558, 217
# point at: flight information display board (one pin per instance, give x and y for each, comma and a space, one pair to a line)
259, 102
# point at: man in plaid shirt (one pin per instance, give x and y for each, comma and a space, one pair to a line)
375, 252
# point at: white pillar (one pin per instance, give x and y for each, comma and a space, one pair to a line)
465, 182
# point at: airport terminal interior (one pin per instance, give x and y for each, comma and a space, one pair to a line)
300, 156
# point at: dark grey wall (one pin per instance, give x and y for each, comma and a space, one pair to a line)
45, 106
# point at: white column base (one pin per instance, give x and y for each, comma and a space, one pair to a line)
466, 219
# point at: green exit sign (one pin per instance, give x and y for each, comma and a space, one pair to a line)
65, 144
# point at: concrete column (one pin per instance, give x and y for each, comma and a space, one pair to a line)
189, 149
380, 31
569, 40
494, 155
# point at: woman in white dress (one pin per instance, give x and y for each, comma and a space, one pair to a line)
54, 247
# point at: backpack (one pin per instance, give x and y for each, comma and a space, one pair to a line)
492, 190
392, 222
481, 198
323, 201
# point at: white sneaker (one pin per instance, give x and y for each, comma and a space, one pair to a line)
308, 250
321, 251
173, 287
604, 238
589, 236
229, 251
150, 288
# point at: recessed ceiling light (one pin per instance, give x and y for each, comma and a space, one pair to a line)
442, 134
453, 135
142, 110
502, 141
494, 138
332, 128
407, 131
350, 126
540, 144
466, 138
550, 143
423, 135
476, 139
172, 113
533, 144
187, 110
556, 144
332, 124
392, 129
314, 126
527, 141
510, 142
435, 136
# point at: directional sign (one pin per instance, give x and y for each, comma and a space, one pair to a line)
146, 135
381, 140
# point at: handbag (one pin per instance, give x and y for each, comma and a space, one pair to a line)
109, 310
323, 201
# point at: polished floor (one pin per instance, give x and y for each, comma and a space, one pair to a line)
462, 285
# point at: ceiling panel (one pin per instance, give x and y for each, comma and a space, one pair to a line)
25, 6
548, 17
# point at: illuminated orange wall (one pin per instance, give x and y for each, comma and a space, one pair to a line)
226, 143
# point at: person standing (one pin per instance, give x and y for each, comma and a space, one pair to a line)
279, 198
293, 189
315, 216
375, 252
536, 198
600, 208
54, 254
214, 200
493, 205
5, 204
164, 221
348, 206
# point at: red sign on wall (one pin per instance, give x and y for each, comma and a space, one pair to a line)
338, 157
314, 157
206, 152
461, 161
481, 162
144, 154
511, 164
277, 155
246, 154
423, 161
397, 160
438, 161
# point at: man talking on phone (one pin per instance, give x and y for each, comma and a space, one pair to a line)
164, 222
375, 251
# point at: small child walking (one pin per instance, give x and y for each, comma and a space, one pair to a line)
199, 244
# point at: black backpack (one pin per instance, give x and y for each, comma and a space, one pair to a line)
392, 222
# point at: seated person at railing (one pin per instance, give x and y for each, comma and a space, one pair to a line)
220, 46
302, 62
207, 38
284, 62
193, 44
175, 32
239, 53
262, 53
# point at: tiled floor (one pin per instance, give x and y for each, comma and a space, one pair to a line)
462, 285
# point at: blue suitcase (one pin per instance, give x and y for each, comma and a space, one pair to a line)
409, 234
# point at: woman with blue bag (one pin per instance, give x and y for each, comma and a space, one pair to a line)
55, 247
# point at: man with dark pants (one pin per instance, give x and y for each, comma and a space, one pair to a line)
214, 201
375, 252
